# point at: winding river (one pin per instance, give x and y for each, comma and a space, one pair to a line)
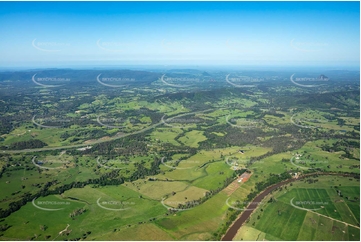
242, 218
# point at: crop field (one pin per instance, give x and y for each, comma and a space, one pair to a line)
308, 211
153, 161
250, 234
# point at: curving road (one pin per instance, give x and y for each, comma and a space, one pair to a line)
98, 141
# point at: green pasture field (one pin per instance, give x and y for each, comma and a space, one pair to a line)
273, 120
279, 220
22, 178
156, 189
322, 159
198, 222
96, 219
192, 138
141, 232
165, 135
316, 118
249, 234
123, 163
214, 178
234, 99
191, 193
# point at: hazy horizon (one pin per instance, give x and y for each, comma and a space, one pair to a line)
91, 34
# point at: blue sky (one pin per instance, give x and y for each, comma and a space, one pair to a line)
58, 34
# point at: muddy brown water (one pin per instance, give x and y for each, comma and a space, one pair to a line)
233, 229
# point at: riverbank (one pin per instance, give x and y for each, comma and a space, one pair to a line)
242, 218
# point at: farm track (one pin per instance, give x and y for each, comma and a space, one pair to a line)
332, 219
242, 218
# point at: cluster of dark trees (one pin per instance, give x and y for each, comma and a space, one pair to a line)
77, 212
83, 134
111, 178
127, 146
342, 145
29, 144
168, 150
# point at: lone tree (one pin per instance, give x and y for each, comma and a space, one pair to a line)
43, 227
